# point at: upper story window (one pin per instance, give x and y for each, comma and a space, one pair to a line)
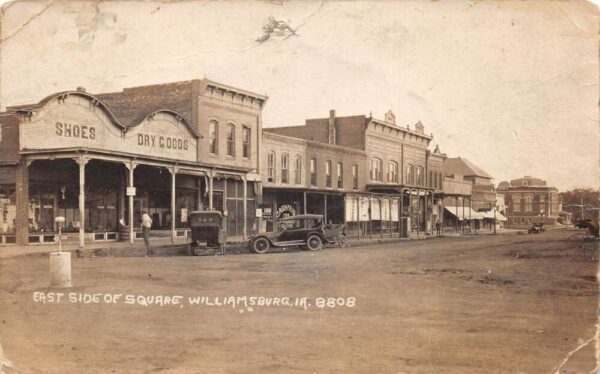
420, 175
393, 172
441, 180
213, 134
285, 168
298, 170
430, 179
231, 139
528, 198
271, 167
328, 173
433, 179
410, 174
313, 171
246, 142
355, 177
376, 170
516, 198
340, 175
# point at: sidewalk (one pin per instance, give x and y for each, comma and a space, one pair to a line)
164, 247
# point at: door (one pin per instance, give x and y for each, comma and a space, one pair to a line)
47, 214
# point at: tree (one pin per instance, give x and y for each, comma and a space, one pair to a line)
581, 200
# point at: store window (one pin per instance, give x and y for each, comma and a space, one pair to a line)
271, 167
231, 139
376, 170
410, 176
8, 208
420, 175
285, 168
298, 170
393, 172
328, 173
213, 137
340, 175
246, 142
313, 171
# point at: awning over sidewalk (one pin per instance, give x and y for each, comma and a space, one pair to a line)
453, 210
490, 215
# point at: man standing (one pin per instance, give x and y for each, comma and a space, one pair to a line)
146, 225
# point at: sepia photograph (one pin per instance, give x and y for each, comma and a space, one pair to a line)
286, 186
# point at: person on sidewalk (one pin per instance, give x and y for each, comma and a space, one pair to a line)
438, 228
146, 225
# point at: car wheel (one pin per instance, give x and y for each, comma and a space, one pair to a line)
261, 245
314, 243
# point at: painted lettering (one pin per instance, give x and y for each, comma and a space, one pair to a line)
59, 130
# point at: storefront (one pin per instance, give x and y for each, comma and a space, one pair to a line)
76, 160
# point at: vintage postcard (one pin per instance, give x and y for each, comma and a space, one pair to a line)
299, 186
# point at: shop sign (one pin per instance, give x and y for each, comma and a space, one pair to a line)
259, 212
131, 191
286, 210
74, 121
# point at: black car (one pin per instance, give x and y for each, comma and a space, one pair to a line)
207, 231
305, 230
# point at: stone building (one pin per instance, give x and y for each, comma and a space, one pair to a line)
101, 160
530, 200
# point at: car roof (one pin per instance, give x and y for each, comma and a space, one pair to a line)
302, 216
207, 212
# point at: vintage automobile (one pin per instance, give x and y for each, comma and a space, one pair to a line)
536, 228
207, 231
304, 230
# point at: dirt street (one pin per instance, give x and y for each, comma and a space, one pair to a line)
510, 303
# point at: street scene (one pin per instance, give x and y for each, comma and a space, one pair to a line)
470, 304
299, 186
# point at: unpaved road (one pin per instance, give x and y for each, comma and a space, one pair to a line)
511, 303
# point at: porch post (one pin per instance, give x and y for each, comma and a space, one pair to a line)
304, 196
470, 221
370, 218
410, 206
325, 207
401, 213
358, 223
210, 189
245, 208
456, 203
390, 224
463, 211
380, 217
22, 209
131, 167
173, 213
441, 216
418, 211
82, 161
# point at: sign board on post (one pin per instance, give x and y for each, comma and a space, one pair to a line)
259, 212
130, 191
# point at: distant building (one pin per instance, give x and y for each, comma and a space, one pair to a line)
483, 195
530, 200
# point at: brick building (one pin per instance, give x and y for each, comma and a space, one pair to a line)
100, 160
530, 200
395, 174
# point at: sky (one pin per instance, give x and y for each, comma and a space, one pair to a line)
512, 86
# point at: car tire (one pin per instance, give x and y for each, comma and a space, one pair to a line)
314, 243
261, 245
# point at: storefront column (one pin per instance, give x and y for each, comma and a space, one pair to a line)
304, 196
410, 207
210, 189
22, 202
380, 217
245, 208
418, 211
130, 167
325, 207
82, 161
173, 212
463, 215
401, 214
470, 221
456, 205
358, 223
441, 215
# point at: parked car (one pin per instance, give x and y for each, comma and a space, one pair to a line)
304, 230
207, 231
536, 228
